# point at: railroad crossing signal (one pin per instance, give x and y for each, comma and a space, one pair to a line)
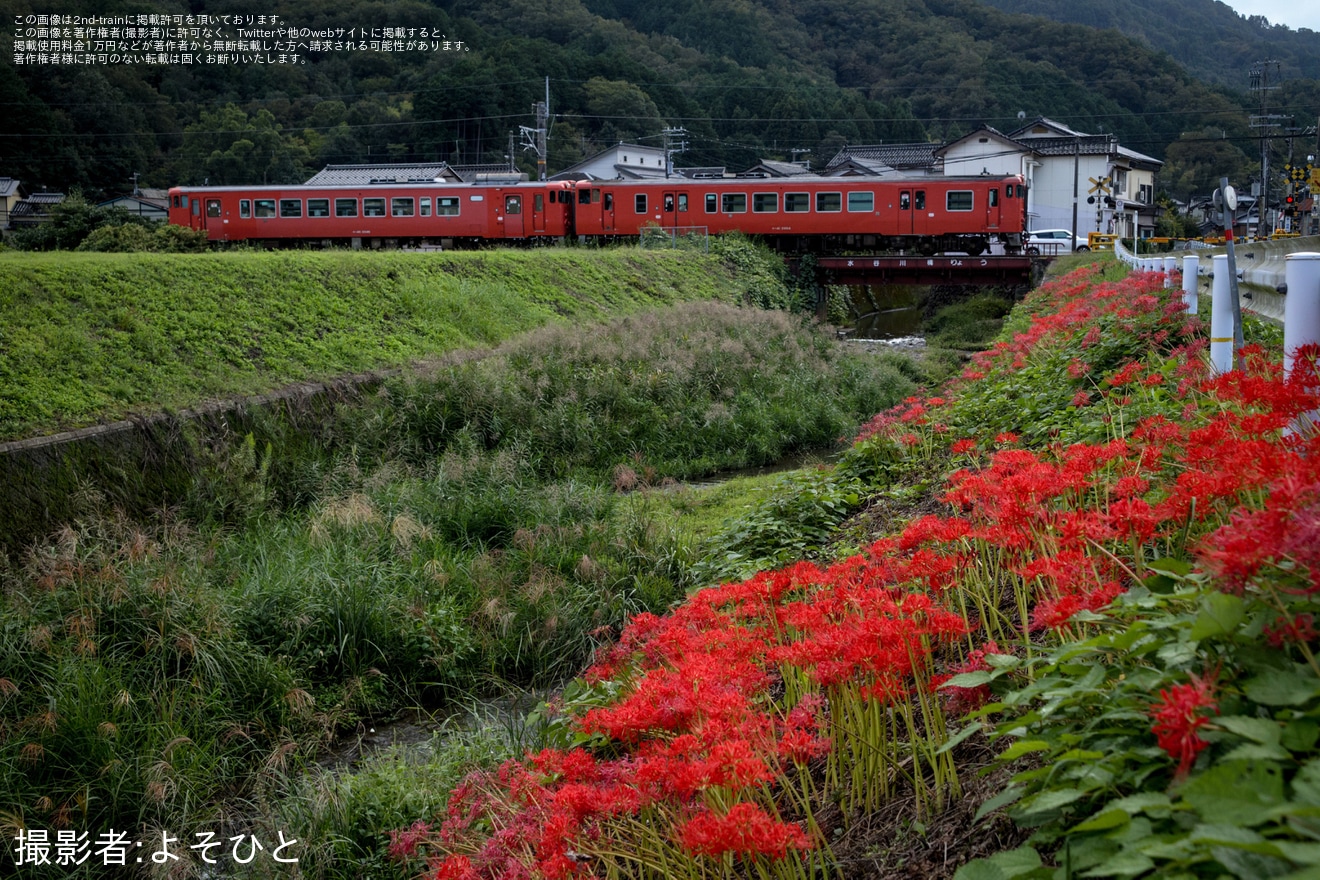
1303, 177
1101, 186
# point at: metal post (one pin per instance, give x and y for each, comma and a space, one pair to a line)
1221, 317
1077, 140
1301, 317
1170, 266
1235, 306
1191, 266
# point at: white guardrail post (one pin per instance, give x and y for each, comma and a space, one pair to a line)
1170, 267
1191, 267
1221, 317
1301, 317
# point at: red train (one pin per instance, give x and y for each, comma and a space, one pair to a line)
925, 215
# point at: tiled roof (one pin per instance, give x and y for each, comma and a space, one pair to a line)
45, 198
900, 157
8, 186
359, 175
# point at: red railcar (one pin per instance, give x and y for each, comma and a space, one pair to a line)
403, 213
926, 214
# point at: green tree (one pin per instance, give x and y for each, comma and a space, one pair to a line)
226, 147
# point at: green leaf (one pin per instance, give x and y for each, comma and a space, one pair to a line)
1220, 614
1169, 565
959, 737
1141, 803
1236, 793
1261, 730
969, 679
1106, 820
1049, 801
1024, 747
1306, 784
1258, 752
1282, 688
1005, 797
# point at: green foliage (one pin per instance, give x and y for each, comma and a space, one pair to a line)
74, 220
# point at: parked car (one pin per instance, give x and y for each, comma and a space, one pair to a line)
1054, 241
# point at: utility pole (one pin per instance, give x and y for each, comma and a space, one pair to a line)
1265, 79
673, 144
534, 138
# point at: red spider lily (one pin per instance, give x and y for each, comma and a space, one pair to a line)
746, 830
1182, 710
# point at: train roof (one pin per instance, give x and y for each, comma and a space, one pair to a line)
379, 184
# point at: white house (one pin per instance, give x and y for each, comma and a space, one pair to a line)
1113, 185
619, 162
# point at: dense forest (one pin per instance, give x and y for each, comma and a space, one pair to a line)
747, 79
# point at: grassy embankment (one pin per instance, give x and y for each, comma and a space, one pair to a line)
89, 338
457, 533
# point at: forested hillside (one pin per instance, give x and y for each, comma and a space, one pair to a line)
748, 79
1207, 37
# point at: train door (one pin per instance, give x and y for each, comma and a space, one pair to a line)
513, 215
606, 209
922, 222
905, 212
669, 210
992, 208
211, 216
538, 212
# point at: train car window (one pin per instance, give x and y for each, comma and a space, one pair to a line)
538, 203
921, 200
765, 203
174, 201
733, 203
424, 207
447, 207
958, 200
584, 197
213, 207
595, 195
345, 207
245, 208
712, 203
373, 207
318, 207
993, 197
829, 202
669, 203
905, 201
290, 207
262, 208
609, 201
861, 202
196, 207
402, 207
513, 204
682, 202
1021, 191
797, 203
1008, 191
639, 203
